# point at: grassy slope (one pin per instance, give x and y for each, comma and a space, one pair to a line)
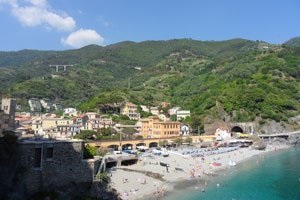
237, 75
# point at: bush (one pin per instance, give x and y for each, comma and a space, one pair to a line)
101, 152
162, 142
189, 140
89, 152
178, 141
103, 177
86, 134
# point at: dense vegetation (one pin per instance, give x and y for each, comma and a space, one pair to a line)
239, 78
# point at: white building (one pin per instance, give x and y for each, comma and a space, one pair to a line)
182, 114
222, 134
145, 108
185, 130
57, 106
154, 111
46, 104
163, 117
35, 105
92, 115
173, 110
70, 111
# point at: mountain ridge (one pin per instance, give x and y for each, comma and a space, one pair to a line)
248, 79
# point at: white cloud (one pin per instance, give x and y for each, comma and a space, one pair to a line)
39, 3
9, 2
37, 12
83, 37
34, 13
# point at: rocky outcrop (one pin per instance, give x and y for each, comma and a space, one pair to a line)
102, 190
271, 127
259, 145
294, 139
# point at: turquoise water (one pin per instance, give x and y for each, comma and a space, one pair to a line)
274, 177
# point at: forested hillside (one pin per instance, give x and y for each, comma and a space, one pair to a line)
245, 79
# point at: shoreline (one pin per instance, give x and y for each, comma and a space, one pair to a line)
199, 183
149, 188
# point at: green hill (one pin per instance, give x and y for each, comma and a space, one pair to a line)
246, 79
294, 42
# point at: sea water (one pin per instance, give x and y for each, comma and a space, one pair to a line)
274, 176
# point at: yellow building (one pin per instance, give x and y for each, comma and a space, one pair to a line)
152, 127
42, 125
130, 110
54, 122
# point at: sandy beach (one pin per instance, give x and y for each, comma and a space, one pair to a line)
149, 180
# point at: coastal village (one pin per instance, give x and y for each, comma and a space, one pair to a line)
149, 100
72, 122
148, 151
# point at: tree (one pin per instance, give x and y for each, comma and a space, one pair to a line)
86, 135
101, 152
129, 130
178, 141
143, 113
106, 131
162, 143
138, 137
195, 123
173, 118
189, 140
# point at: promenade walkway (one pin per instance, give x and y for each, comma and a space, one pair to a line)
287, 134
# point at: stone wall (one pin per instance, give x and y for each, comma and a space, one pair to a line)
65, 168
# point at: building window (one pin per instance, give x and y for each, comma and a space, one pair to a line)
49, 153
37, 158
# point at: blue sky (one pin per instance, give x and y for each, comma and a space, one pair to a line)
68, 24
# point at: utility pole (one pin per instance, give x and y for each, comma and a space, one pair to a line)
121, 140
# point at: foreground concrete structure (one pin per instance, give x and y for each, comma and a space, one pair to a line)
43, 165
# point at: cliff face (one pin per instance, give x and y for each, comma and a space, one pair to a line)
270, 127
294, 139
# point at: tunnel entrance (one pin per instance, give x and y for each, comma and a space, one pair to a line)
237, 129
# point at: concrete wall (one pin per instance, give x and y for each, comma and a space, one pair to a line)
65, 168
